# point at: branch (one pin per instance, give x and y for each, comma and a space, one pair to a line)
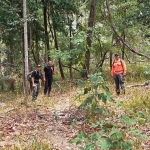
147, 83
118, 36
71, 67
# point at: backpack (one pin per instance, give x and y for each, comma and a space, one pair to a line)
120, 61
29, 76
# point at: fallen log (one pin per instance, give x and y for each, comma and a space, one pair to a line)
147, 83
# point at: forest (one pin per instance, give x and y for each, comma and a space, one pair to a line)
84, 110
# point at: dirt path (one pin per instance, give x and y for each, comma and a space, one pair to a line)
40, 121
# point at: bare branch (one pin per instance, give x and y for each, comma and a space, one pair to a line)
118, 36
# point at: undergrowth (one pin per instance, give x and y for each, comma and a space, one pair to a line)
106, 129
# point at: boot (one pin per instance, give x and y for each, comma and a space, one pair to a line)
118, 93
123, 91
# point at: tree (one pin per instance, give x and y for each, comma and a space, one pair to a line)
26, 66
89, 38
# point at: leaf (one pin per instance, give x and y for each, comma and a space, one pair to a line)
104, 98
99, 110
141, 121
81, 83
87, 101
78, 142
116, 135
106, 144
127, 119
127, 145
86, 90
93, 78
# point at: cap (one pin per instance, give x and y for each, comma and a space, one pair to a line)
38, 65
116, 54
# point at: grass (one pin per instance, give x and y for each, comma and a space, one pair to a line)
136, 103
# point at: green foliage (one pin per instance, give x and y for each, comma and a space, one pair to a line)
107, 134
146, 71
111, 135
96, 91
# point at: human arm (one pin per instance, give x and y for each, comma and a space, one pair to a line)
124, 68
44, 78
40, 81
112, 70
32, 79
52, 68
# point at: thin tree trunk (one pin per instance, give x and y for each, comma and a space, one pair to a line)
70, 65
56, 43
37, 48
25, 48
11, 60
89, 36
123, 45
30, 44
59, 61
47, 46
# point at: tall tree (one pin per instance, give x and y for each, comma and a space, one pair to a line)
26, 66
89, 38
47, 46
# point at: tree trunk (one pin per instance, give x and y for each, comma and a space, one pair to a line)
25, 49
60, 64
86, 66
70, 64
30, 45
47, 46
56, 43
37, 48
123, 45
11, 60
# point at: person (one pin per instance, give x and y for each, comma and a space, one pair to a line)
48, 77
118, 72
36, 81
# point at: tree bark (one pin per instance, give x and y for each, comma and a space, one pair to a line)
25, 48
70, 68
59, 61
86, 66
30, 45
56, 44
47, 46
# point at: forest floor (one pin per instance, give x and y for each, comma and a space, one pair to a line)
47, 121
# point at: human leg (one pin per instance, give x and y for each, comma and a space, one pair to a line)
121, 82
49, 86
116, 79
46, 87
35, 92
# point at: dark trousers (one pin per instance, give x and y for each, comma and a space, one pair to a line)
48, 86
119, 82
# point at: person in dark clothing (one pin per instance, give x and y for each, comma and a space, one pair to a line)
48, 77
36, 81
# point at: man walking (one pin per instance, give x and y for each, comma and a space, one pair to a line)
36, 81
48, 77
118, 71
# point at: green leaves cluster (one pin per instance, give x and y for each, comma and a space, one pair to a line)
107, 134
96, 91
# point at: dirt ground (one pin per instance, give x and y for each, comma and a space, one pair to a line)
48, 119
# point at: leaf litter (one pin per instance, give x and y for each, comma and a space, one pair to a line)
53, 124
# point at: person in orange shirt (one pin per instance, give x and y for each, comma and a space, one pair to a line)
118, 71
